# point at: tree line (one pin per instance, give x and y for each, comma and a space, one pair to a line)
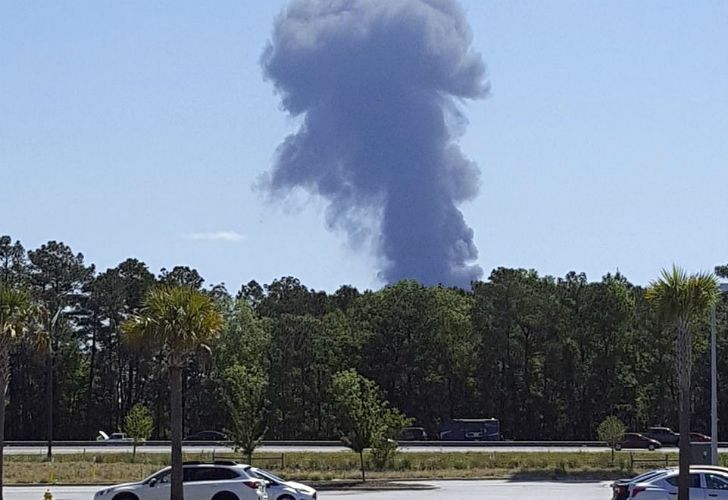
551, 357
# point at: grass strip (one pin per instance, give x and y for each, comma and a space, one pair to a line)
110, 468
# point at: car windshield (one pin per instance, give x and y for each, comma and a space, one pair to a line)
264, 474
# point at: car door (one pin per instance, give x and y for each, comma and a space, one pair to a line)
697, 492
716, 486
202, 483
196, 482
158, 489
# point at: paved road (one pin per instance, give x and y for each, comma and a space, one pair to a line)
41, 450
462, 490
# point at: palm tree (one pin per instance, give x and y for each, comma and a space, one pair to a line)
178, 321
16, 315
679, 300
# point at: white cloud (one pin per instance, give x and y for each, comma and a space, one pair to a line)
215, 236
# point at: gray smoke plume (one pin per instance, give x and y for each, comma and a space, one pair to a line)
376, 83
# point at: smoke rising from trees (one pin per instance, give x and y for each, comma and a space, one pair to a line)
376, 83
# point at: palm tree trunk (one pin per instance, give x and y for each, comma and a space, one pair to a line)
4, 380
175, 386
683, 355
49, 401
684, 479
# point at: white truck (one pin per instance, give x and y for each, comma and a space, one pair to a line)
114, 437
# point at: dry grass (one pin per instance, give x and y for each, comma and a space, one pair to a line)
105, 468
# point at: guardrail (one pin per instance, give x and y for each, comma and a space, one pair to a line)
314, 444
114, 442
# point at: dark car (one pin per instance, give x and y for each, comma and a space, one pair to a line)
636, 440
696, 437
413, 434
207, 436
664, 435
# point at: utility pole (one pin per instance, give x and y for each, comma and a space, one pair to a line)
713, 391
723, 287
49, 388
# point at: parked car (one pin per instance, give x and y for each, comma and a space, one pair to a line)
636, 440
664, 435
706, 482
620, 487
413, 434
696, 437
280, 489
221, 480
206, 436
114, 437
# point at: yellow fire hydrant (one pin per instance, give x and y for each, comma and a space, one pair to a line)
48, 495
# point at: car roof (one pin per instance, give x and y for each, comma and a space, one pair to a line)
710, 468
697, 470
718, 468
216, 463
656, 474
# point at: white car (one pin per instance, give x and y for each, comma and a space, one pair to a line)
221, 480
706, 483
115, 437
280, 489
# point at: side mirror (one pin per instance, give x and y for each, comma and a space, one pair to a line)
153, 482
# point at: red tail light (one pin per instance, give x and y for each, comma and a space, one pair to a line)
637, 489
251, 484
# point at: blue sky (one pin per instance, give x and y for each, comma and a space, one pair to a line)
139, 128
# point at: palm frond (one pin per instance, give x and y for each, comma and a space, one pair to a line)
16, 311
677, 295
180, 318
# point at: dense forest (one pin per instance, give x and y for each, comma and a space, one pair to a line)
550, 357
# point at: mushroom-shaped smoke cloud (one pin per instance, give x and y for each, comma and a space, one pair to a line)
376, 82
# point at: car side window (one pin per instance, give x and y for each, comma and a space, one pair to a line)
189, 474
222, 474
715, 482
164, 478
694, 480
194, 474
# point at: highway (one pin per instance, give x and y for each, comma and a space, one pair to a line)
308, 448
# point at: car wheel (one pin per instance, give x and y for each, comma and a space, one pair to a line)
126, 496
618, 446
651, 447
225, 495
285, 497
